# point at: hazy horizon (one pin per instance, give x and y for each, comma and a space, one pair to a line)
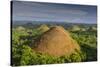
36, 11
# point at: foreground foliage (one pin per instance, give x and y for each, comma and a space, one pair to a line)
22, 54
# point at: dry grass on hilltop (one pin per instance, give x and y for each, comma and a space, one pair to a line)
56, 42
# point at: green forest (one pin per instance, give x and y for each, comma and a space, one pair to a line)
23, 38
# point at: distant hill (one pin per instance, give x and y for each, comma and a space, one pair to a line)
43, 28
44, 22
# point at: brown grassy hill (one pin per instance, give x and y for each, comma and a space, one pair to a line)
56, 42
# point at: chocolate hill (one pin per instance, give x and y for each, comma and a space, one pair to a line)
43, 28
56, 42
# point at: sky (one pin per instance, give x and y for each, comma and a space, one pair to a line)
39, 11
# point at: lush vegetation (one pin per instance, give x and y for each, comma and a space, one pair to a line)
88, 43
23, 54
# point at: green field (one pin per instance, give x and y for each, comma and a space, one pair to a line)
23, 38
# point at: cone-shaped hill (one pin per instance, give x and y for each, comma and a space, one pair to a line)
43, 28
56, 42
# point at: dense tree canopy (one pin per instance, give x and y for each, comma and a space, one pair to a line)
22, 53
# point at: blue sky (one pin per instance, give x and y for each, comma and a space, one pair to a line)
36, 11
